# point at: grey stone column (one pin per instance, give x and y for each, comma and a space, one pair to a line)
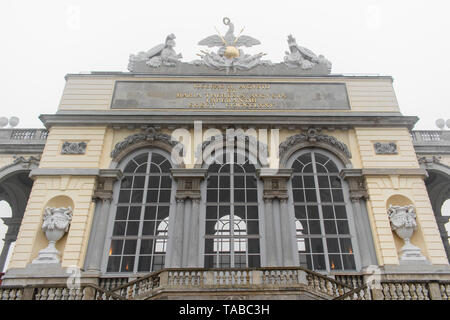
278, 232
13, 225
183, 247
358, 197
103, 195
271, 257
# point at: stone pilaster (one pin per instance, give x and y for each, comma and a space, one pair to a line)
183, 248
358, 196
279, 226
103, 197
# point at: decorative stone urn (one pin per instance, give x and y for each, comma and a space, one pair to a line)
56, 224
403, 222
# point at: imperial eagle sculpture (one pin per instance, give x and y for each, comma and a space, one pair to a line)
229, 56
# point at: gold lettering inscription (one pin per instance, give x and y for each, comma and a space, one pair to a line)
232, 96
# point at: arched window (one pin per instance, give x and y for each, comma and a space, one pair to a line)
232, 224
324, 241
139, 235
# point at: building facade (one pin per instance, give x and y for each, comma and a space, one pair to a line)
226, 177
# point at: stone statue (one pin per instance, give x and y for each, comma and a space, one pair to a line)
162, 54
302, 57
229, 56
403, 222
56, 224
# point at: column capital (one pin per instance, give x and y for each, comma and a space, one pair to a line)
275, 182
105, 183
188, 182
356, 182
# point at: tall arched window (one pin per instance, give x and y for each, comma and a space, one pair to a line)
232, 224
324, 240
139, 235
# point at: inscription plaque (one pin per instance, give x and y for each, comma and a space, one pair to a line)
229, 96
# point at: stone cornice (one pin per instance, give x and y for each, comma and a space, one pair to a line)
394, 171
279, 119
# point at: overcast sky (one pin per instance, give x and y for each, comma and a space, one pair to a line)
44, 40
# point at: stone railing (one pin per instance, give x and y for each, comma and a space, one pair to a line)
430, 136
23, 134
260, 278
56, 292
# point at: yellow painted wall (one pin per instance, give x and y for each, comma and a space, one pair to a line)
31, 239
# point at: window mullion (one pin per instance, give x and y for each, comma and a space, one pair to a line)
319, 207
232, 212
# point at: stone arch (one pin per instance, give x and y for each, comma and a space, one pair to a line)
149, 139
15, 188
438, 187
254, 149
312, 138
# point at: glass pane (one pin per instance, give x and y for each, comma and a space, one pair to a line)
250, 181
164, 196
335, 182
119, 228
316, 245
239, 195
165, 166
131, 166
239, 211
211, 195
320, 168
135, 213
210, 227
320, 158
325, 195
214, 167
142, 158
349, 262
139, 182
346, 245
319, 262
148, 228
116, 247
252, 196
113, 264
309, 181
254, 261
124, 196
252, 212
150, 213
340, 212
141, 169
343, 227
224, 211
152, 196
297, 166
163, 212
305, 158
310, 195
126, 182
328, 212
335, 262
224, 181
308, 168
300, 212
224, 195
212, 182
313, 212
132, 228
314, 227
239, 182
136, 196
146, 246
323, 182
298, 195
297, 182
330, 227
127, 264
209, 248
130, 247
333, 245
253, 245
211, 213
122, 213
338, 196
157, 158
209, 262
331, 167
153, 182
144, 263
253, 227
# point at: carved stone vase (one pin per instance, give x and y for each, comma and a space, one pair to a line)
403, 222
56, 224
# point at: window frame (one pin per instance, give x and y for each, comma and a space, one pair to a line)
113, 211
348, 208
